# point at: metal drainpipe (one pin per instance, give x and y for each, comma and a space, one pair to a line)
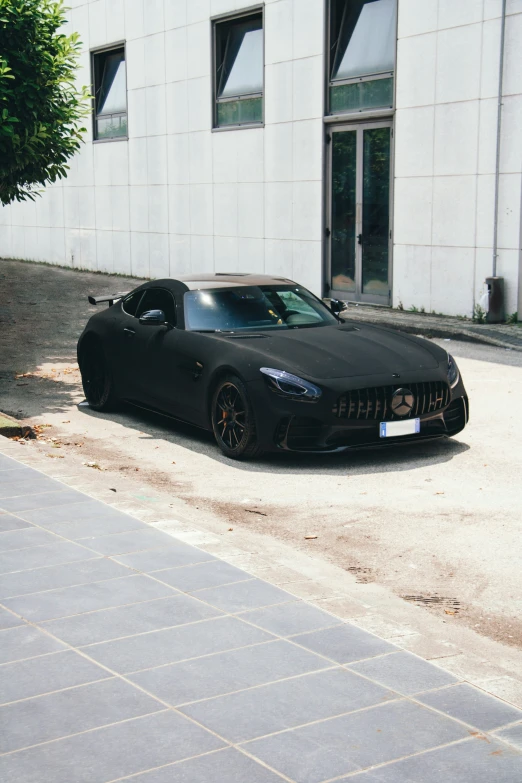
499, 131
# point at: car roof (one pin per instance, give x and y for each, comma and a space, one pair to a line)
230, 279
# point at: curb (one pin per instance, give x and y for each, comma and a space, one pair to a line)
11, 428
481, 334
446, 333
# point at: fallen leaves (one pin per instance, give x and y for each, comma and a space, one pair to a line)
253, 511
92, 465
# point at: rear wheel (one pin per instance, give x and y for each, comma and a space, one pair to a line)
96, 378
233, 420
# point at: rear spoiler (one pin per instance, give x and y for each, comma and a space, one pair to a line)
96, 300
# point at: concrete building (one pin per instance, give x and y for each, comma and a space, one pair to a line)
352, 145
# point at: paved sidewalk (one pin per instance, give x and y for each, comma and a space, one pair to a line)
500, 335
126, 653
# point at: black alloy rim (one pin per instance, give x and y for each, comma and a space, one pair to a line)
230, 416
95, 380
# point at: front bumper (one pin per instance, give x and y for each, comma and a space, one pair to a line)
286, 425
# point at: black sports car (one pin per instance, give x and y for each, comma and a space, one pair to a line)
267, 366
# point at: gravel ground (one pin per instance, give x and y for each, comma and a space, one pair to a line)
438, 524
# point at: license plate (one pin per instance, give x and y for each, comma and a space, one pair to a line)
392, 429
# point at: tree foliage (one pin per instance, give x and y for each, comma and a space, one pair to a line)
41, 110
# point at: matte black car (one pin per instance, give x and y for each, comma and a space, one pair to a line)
267, 366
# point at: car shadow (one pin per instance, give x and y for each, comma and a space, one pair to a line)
389, 459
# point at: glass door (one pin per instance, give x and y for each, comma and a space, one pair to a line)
359, 212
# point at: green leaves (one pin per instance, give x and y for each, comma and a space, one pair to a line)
42, 109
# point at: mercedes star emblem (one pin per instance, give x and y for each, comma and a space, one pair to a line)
402, 402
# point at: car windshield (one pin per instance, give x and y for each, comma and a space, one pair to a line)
254, 307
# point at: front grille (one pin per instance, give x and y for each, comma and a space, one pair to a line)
374, 404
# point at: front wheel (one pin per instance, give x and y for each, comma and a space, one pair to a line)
96, 379
233, 420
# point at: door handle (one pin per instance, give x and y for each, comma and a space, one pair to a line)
360, 238
129, 332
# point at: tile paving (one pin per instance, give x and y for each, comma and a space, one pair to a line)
126, 653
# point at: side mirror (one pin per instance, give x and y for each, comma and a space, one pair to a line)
337, 306
153, 318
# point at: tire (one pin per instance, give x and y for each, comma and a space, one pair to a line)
97, 381
230, 403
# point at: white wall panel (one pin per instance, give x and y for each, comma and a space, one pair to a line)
278, 210
414, 136
159, 255
226, 254
201, 210
176, 54
462, 12
416, 63
153, 17
307, 150
279, 143
308, 28
413, 211
179, 209
120, 208
137, 114
154, 54
199, 107
251, 156
226, 210
103, 208
198, 49
251, 253
279, 31
250, 200
158, 202
140, 254
177, 107
306, 213
201, 253
178, 169
452, 285
200, 157
87, 207
412, 275
279, 100
456, 138
459, 64
139, 208
416, 18
179, 254
175, 13
157, 160
308, 88
485, 210
156, 110
454, 211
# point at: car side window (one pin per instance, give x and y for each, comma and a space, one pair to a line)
158, 299
130, 303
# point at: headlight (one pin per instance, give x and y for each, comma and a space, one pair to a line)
453, 371
292, 386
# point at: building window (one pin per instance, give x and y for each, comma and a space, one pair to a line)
238, 71
110, 94
363, 39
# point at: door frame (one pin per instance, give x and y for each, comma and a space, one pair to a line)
357, 296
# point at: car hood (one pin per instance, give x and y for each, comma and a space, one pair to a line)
346, 351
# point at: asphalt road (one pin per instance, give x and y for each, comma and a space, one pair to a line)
438, 524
